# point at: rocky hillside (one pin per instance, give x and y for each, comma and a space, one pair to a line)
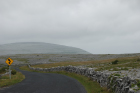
38, 48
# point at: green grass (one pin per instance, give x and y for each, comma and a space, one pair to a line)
90, 85
138, 84
26, 68
117, 74
5, 81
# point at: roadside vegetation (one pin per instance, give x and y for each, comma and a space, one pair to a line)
16, 77
2, 70
90, 85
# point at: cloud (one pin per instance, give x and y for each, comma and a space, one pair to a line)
98, 26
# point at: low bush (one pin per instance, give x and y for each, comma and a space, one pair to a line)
138, 84
115, 62
13, 72
117, 74
2, 70
138, 59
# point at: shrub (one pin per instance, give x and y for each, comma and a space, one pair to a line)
3, 69
115, 62
13, 72
138, 59
117, 74
138, 84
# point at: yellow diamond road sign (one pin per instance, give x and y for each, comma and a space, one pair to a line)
9, 61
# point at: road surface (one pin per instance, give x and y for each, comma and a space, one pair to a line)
45, 83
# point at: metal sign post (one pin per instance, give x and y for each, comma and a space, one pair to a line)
9, 72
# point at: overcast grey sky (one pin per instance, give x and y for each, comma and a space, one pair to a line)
97, 26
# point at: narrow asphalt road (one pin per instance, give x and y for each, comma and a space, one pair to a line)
45, 83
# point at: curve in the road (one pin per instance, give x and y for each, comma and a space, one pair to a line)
45, 83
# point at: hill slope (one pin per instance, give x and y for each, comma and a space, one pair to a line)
38, 48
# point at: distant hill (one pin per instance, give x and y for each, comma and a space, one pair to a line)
38, 48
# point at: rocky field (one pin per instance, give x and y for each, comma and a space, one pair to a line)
127, 66
53, 58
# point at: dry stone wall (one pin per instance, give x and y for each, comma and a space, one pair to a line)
115, 83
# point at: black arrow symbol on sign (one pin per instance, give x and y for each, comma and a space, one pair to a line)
9, 61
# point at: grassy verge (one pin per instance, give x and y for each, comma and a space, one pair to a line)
90, 85
5, 81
